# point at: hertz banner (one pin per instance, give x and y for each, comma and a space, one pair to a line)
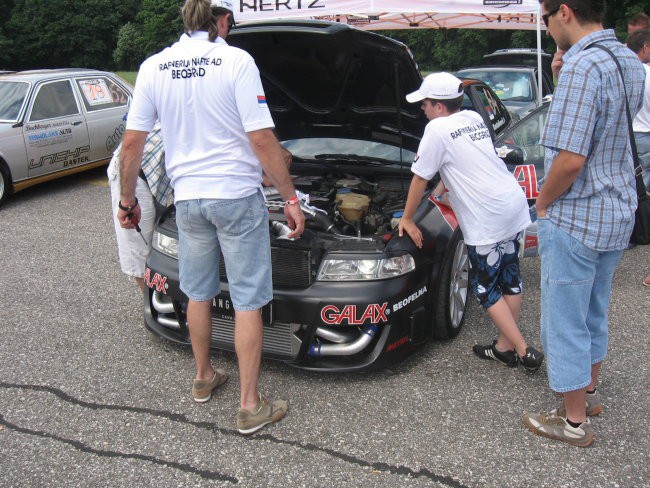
398, 14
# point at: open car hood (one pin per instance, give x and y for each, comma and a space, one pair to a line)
325, 79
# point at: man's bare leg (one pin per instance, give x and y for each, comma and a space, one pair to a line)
140, 282
574, 402
248, 345
595, 372
200, 325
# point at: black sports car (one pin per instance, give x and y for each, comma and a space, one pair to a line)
350, 294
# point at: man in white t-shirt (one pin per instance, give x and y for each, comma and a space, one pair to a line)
488, 202
218, 135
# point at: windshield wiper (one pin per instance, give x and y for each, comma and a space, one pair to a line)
366, 160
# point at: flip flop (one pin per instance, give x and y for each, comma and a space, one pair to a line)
645, 282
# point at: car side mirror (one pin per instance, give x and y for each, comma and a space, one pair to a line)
511, 155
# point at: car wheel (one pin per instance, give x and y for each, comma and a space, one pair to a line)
4, 183
452, 291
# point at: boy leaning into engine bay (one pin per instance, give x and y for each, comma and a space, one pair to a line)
488, 202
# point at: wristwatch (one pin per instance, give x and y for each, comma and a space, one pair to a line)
127, 209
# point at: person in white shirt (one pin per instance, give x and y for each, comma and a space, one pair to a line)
152, 186
639, 42
218, 135
488, 202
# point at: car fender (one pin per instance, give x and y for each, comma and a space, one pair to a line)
12, 150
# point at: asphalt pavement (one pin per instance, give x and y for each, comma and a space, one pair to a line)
89, 397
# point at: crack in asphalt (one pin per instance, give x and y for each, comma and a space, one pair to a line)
399, 470
211, 475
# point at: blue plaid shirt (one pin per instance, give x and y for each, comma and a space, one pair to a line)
587, 117
153, 167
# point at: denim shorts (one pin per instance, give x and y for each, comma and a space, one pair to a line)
238, 229
576, 283
495, 270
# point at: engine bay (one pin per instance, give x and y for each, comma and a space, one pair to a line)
344, 205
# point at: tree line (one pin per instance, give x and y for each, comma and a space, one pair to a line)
120, 34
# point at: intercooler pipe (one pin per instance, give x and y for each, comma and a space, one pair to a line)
329, 226
365, 337
322, 219
317, 214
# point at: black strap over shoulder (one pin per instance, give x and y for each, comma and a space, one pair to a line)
640, 186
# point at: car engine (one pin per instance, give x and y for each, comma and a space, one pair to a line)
348, 206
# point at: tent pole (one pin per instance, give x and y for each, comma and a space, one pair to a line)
539, 57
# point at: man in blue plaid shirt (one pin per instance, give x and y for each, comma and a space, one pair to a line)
153, 184
585, 208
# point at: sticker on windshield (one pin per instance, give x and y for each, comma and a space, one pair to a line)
96, 91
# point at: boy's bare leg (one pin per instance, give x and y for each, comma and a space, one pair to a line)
505, 313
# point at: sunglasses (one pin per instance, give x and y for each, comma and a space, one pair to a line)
221, 11
547, 15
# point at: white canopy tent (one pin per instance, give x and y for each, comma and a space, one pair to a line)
403, 14
399, 14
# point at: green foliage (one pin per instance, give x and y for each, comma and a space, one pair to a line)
61, 33
161, 24
157, 25
128, 53
450, 50
617, 13
5, 51
128, 76
120, 34
523, 39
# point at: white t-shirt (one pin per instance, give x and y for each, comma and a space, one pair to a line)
207, 95
641, 122
487, 200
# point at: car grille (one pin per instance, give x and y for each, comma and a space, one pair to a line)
291, 267
280, 342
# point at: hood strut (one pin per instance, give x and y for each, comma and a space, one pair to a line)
400, 129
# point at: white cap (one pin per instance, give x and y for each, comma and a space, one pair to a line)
225, 4
440, 86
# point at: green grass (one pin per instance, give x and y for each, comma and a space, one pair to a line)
128, 76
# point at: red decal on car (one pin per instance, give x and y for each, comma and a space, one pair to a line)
374, 313
447, 212
398, 343
530, 242
158, 281
526, 176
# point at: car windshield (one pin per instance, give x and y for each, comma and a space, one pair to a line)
12, 97
348, 149
508, 85
526, 135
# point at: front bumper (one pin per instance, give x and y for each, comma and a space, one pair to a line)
333, 326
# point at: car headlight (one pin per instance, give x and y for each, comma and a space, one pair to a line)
352, 269
165, 244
